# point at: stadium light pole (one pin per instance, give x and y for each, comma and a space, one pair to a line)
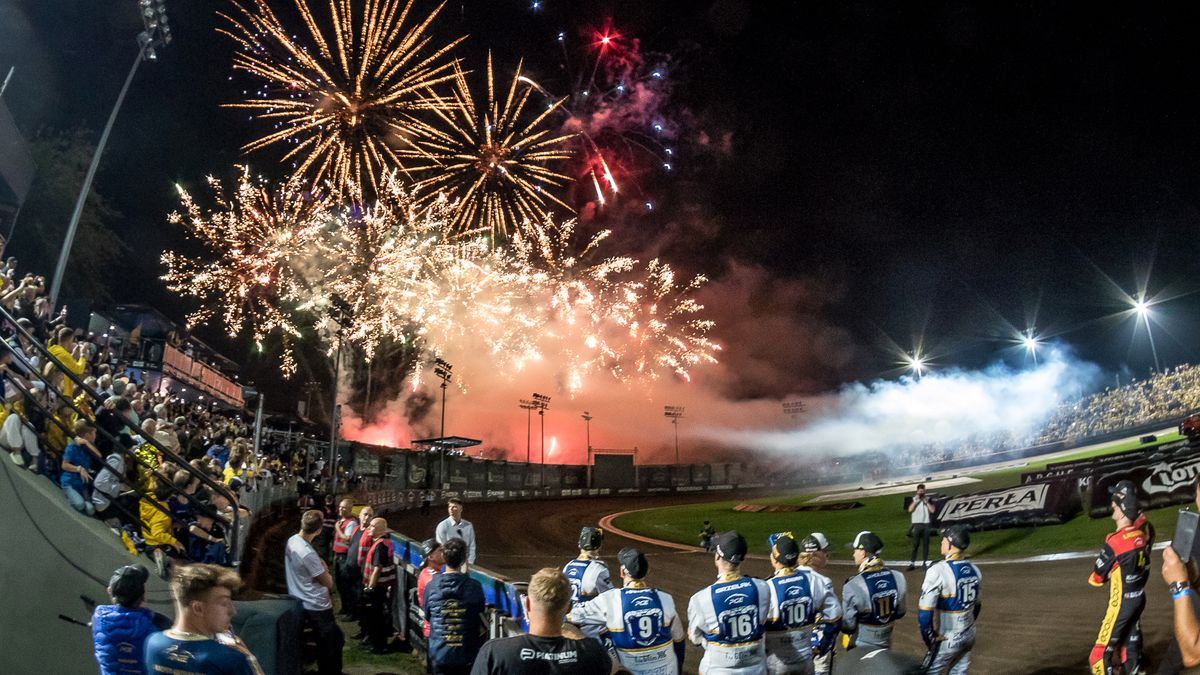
528, 406
674, 412
1142, 308
156, 33
543, 404
442, 369
587, 423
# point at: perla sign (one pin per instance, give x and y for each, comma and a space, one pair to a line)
1024, 498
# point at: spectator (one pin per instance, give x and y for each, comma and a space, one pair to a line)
1184, 650
544, 650
379, 582
434, 561
114, 505
206, 540
201, 641
68, 354
309, 581
219, 452
345, 530
119, 630
455, 526
454, 606
356, 555
157, 530
77, 467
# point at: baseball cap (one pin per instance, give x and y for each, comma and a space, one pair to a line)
815, 542
429, 546
959, 536
786, 550
869, 542
634, 562
590, 538
128, 584
1124, 495
731, 546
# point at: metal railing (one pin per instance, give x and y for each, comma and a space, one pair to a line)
233, 522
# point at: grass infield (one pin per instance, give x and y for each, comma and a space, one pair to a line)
886, 517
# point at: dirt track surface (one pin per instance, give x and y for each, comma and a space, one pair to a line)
1036, 618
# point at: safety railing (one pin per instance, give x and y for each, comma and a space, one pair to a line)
232, 521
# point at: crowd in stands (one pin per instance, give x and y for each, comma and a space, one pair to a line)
117, 447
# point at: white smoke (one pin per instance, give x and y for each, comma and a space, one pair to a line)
940, 408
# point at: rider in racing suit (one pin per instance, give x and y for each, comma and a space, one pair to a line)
1127, 552
800, 598
726, 618
873, 599
951, 589
588, 574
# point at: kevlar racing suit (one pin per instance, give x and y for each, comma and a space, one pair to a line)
872, 601
646, 632
1124, 562
951, 589
726, 619
800, 599
589, 578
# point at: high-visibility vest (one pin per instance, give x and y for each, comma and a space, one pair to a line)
387, 573
364, 547
346, 528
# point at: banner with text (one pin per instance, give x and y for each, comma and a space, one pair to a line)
1046, 503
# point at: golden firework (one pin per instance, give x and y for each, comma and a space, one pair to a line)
494, 159
345, 93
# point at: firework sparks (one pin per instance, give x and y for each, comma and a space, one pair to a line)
347, 95
493, 158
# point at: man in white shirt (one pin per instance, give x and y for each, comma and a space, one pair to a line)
309, 581
455, 526
922, 509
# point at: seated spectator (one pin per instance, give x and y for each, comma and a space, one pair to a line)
77, 465
545, 649
115, 505
157, 530
206, 540
200, 641
119, 630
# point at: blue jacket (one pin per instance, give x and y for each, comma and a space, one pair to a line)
453, 605
119, 635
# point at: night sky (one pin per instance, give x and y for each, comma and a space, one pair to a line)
872, 174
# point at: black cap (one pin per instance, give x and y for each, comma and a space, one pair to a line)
1124, 495
128, 584
787, 551
590, 538
731, 546
869, 542
959, 536
429, 546
633, 562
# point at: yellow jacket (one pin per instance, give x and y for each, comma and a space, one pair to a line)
156, 525
64, 357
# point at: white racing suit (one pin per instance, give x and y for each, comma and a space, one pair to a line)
589, 578
872, 601
951, 589
645, 630
800, 599
726, 619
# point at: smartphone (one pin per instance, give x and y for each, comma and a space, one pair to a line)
1184, 541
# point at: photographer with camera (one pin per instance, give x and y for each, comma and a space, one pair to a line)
922, 510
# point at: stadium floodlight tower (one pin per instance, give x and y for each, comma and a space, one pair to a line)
543, 404
587, 424
156, 32
1141, 307
441, 368
528, 406
674, 413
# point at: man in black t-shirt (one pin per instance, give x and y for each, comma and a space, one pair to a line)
544, 650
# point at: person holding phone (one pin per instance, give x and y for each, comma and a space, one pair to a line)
921, 510
1179, 571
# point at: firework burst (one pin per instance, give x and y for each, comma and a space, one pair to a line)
346, 96
494, 159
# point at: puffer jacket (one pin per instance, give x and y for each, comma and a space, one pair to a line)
454, 636
119, 635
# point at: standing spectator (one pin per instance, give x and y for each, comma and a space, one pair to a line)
544, 650
921, 509
726, 618
219, 452
646, 632
77, 463
67, 352
454, 606
309, 581
434, 561
1184, 650
200, 641
379, 583
119, 630
455, 526
345, 529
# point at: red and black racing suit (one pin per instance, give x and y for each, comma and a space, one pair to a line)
1118, 647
